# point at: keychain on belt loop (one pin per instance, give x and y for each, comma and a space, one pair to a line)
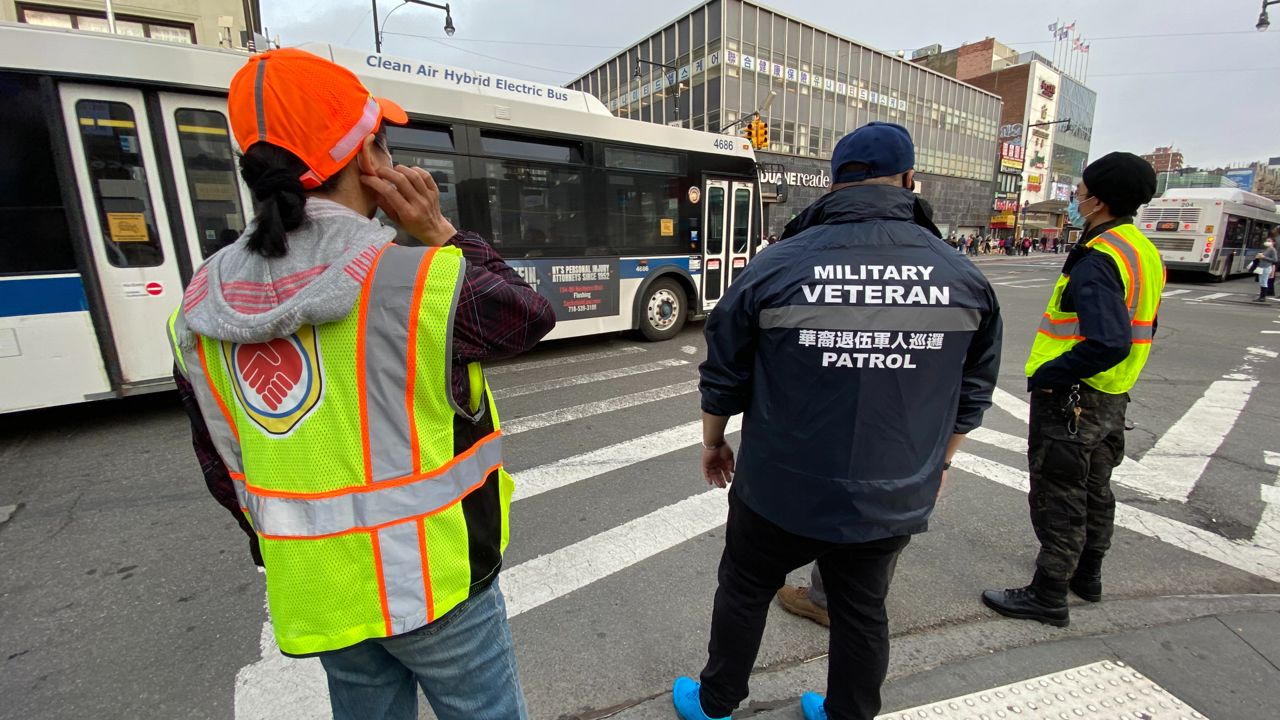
1073, 404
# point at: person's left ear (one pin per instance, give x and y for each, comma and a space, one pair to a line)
371, 156
909, 180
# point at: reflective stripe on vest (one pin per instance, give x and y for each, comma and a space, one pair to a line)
361, 509
357, 496
1142, 274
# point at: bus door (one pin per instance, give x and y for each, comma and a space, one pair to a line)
115, 164
728, 223
211, 198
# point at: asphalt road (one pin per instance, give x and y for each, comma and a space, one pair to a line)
125, 591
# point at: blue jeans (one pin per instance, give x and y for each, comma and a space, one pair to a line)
464, 663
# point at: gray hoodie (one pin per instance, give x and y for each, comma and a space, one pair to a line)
240, 296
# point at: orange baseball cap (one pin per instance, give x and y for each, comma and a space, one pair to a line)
314, 108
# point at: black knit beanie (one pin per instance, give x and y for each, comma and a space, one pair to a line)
1122, 180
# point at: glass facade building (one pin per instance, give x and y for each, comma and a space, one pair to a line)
716, 65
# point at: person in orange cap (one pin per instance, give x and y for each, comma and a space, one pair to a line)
339, 407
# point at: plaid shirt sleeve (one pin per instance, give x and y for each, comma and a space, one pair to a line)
215, 473
499, 314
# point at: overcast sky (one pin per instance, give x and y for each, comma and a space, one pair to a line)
1198, 75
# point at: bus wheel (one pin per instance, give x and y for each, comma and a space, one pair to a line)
664, 311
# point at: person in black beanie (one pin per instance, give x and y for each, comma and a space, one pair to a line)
1092, 343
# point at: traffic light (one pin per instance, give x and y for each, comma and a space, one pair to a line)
749, 132
760, 135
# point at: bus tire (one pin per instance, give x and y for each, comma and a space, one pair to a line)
664, 310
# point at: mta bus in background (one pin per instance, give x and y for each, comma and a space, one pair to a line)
1212, 230
119, 179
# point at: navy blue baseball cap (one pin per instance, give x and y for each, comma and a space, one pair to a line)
886, 148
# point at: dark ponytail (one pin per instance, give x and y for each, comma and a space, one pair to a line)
273, 175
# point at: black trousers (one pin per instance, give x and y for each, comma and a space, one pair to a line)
1072, 507
757, 557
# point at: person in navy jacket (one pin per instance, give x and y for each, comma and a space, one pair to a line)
860, 350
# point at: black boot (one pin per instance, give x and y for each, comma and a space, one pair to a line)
1086, 583
1044, 600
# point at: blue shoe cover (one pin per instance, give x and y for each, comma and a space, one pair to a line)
685, 695
814, 706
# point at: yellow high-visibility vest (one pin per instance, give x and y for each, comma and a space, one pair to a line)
379, 503
1143, 274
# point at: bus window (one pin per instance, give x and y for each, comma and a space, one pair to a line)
211, 177
629, 159
34, 236
643, 214
741, 220
442, 170
1257, 233
114, 155
715, 221
1236, 232
541, 149
420, 138
536, 211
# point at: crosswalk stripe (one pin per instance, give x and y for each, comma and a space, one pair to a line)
995, 438
1255, 559
560, 383
1210, 296
1181, 455
1171, 293
548, 577
556, 362
599, 407
560, 473
1013, 405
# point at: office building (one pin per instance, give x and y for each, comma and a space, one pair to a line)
1164, 159
1041, 154
216, 23
714, 66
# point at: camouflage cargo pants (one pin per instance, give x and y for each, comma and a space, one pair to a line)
1071, 459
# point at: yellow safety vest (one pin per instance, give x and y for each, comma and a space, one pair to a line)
1143, 274
378, 502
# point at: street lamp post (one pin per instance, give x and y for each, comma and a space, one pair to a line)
1264, 21
1026, 138
377, 34
675, 110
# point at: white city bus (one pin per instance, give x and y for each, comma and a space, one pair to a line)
1213, 230
119, 178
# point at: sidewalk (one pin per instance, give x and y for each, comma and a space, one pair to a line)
1156, 659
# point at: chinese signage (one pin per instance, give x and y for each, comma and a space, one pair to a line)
1048, 89
1061, 191
1033, 183
1003, 220
577, 289
1006, 206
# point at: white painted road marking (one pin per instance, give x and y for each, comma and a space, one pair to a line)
556, 362
599, 407
560, 383
1171, 469
1210, 296
1171, 293
560, 473
1267, 534
551, 576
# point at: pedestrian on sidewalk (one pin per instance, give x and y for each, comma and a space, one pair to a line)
1265, 268
817, 444
1091, 346
307, 357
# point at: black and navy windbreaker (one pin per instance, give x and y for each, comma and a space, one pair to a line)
855, 346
